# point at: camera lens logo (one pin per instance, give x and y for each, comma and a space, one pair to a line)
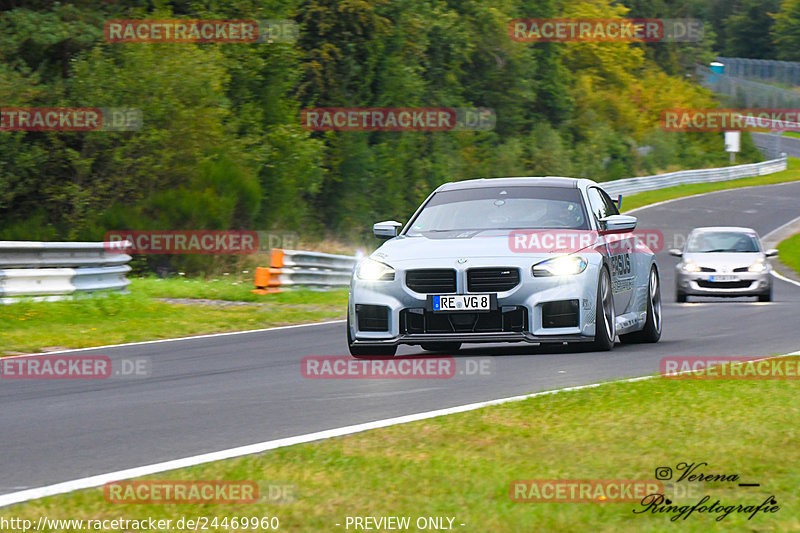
663, 473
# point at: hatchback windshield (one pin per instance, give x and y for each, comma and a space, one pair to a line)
722, 241
501, 208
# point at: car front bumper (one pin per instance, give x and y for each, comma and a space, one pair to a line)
529, 297
700, 284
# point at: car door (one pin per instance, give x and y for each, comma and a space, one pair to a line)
619, 248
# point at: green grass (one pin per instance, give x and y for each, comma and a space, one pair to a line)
792, 173
223, 288
794, 134
462, 465
789, 252
29, 327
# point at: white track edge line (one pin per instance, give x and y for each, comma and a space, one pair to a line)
101, 479
776, 230
784, 278
767, 236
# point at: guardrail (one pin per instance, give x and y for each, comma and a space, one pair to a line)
686, 177
49, 271
299, 267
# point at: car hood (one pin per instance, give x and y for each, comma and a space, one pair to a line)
468, 245
722, 260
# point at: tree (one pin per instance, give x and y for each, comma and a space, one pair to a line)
786, 32
748, 30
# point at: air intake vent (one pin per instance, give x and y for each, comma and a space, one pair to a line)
372, 317
492, 279
432, 281
561, 314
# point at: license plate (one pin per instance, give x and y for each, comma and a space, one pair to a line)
723, 278
463, 302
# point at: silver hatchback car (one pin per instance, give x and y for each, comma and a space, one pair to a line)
540, 260
723, 261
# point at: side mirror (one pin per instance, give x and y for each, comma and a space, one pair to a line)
617, 224
772, 252
387, 229
676, 252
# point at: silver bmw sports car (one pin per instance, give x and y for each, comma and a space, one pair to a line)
723, 261
538, 260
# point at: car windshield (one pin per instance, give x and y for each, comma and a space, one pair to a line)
721, 242
501, 208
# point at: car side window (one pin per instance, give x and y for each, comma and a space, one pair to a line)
597, 203
611, 207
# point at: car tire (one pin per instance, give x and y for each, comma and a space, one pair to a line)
651, 332
604, 329
766, 296
441, 346
680, 297
366, 351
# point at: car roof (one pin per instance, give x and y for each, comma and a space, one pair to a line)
724, 228
546, 181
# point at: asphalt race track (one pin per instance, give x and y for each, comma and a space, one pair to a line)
219, 392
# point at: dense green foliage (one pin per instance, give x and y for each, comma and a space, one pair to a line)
222, 146
759, 29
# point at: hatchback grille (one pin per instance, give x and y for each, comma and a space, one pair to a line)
492, 279
743, 284
707, 269
431, 281
741, 269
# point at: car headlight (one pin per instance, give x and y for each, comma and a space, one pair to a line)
566, 265
758, 266
690, 266
371, 270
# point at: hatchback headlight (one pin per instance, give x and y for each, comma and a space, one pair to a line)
566, 265
758, 266
690, 266
371, 270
